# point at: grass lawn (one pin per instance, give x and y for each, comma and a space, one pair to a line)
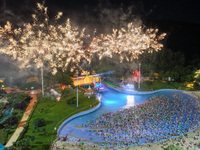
1, 137
156, 85
54, 113
111, 83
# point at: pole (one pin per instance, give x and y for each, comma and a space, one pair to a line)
42, 81
139, 77
77, 89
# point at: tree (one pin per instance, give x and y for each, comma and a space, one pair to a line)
11, 97
63, 78
17, 98
11, 121
22, 105
66, 92
2, 106
198, 79
23, 144
167, 64
2, 92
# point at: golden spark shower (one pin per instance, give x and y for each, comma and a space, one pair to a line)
44, 42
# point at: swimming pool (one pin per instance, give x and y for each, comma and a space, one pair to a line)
1, 147
6, 114
112, 101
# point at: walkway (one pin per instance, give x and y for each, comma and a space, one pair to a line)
24, 119
3, 100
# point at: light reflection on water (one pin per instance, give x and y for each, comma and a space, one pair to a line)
130, 102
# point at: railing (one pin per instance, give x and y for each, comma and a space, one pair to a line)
77, 115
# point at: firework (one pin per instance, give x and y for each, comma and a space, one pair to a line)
129, 43
42, 43
61, 45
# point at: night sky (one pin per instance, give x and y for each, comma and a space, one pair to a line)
180, 19
179, 10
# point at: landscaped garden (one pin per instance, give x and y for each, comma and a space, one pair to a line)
17, 103
48, 115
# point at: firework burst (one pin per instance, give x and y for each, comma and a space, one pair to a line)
43, 43
61, 45
129, 43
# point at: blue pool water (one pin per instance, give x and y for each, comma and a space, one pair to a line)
1, 147
6, 114
111, 101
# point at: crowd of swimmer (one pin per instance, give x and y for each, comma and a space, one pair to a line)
155, 120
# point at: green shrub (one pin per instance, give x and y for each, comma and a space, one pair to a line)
196, 86
71, 100
2, 91
172, 147
38, 122
148, 83
66, 92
